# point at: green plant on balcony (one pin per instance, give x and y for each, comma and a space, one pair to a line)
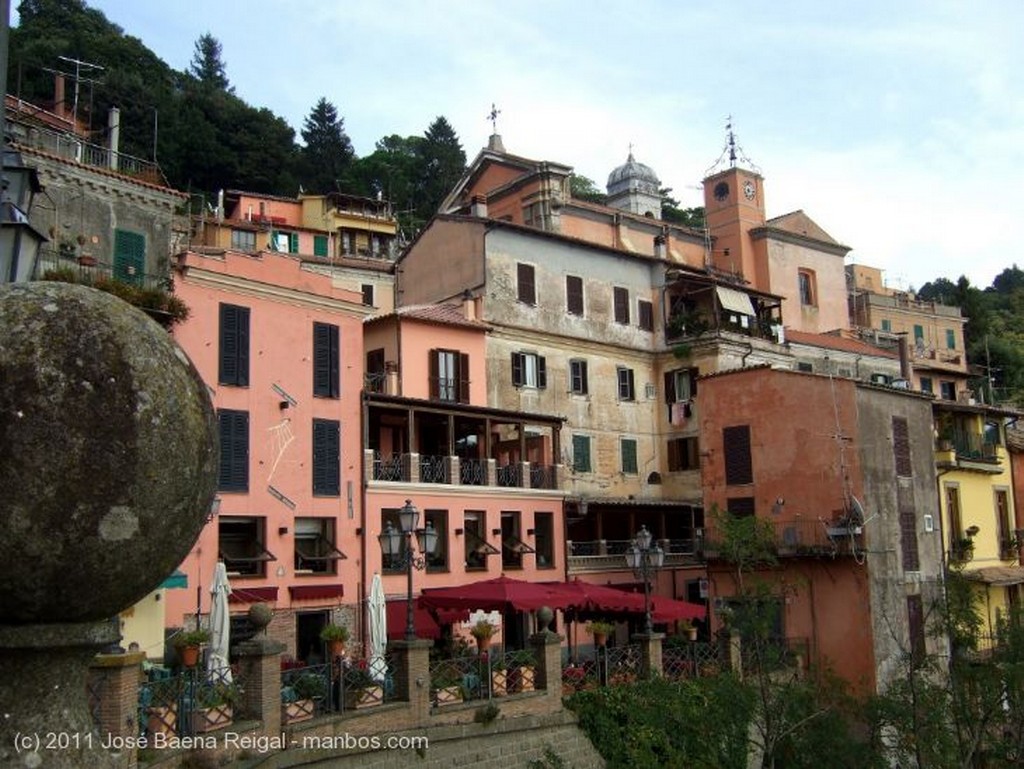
167, 307
687, 323
963, 550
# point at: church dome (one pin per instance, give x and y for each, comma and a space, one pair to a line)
632, 171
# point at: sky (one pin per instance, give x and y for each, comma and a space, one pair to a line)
897, 125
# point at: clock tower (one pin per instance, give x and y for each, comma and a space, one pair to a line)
733, 206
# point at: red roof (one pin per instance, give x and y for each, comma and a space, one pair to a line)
834, 342
445, 314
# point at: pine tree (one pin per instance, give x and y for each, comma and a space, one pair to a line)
442, 163
328, 154
207, 65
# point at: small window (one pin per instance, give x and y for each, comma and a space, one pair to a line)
625, 382
578, 384
512, 546
947, 390
326, 366
315, 551
243, 240
805, 366
326, 457
740, 507
319, 245
526, 285
886, 324
544, 539
392, 563
574, 295
736, 447
474, 524
529, 370
627, 447
950, 339
234, 345
645, 312
376, 377
581, 453
808, 291
926, 385
241, 544
918, 334
620, 299
368, 294
683, 454
438, 560
449, 376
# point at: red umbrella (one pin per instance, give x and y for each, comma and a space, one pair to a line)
586, 596
499, 594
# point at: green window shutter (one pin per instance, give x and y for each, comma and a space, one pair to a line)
581, 453
234, 450
629, 456
293, 242
319, 245
886, 324
129, 257
326, 457
918, 332
950, 339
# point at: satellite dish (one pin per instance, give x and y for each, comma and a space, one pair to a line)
856, 511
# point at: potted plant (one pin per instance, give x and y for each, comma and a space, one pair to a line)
482, 632
687, 628
214, 707
361, 689
187, 643
446, 684
335, 636
522, 669
499, 676
298, 700
600, 630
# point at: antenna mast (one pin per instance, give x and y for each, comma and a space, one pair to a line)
79, 66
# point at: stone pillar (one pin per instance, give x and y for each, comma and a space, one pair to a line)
412, 675
114, 683
736, 654
492, 472
368, 458
524, 474
650, 654
260, 670
547, 648
454, 471
414, 467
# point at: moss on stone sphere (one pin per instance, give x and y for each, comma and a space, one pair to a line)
109, 454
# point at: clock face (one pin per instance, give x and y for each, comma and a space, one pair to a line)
749, 190
721, 191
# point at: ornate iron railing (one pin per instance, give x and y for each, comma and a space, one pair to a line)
433, 469
473, 472
691, 660
510, 476
391, 467
542, 476
191, 702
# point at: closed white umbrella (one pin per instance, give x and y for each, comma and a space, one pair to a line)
378, 629
217, 666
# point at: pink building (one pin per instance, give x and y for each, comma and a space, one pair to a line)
280, 348
485, 479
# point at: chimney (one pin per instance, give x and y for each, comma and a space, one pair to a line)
114, 124
391, 378
660, 250
906, 369
468, 305
58, 95
479, 206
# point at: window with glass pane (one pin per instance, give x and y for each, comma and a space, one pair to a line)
474, 530
628, 450
544, 539
438, 560
392, 563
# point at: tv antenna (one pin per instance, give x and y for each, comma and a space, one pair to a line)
79, 66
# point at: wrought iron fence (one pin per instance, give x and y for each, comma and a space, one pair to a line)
433, 469
305, 693
542, 476
366, 683
691, 660
510, 476
191, 702
482, 677
391, 467
473, 472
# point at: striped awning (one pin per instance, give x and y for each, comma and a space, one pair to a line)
734, 301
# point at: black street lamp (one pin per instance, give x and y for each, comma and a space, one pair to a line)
391, 541
645, 561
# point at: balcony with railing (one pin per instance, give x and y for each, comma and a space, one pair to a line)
610, 554
696, 305
837, 536
458, 471
70, 147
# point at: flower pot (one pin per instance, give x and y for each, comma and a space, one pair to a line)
499, 683
483, 644
335, 649
448, 695
161, 719
87, 260
600, 639
366, 697
189, 655
692, 633
520, 679
208, 719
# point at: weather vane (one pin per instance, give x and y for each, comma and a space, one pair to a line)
493, 117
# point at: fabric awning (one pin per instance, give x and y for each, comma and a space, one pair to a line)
424, 623
252, 594
309, 592
499, 594
177, 579
999, 576
734, 301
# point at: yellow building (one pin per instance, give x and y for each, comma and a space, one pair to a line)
977, 502
934, 332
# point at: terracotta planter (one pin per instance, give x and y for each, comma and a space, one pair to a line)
189, 655
161, 720
335, 649
520, 679
300, 710
483, 644
208, 719
600, 639
499, 683
367, 697
87, 261
448, 695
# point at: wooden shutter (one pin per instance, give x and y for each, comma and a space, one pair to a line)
234, 450
574, 294
736, 447
517, 369
542, 373
670, 389
434, 374
584, 385
674, 460
293, 242
646, 315
234, 345
326, 373
740, 507
915, 626
581, 453
129, 257
694, 373
628, 455
525, 280
326, 457
620, 297
901, 447
463, 383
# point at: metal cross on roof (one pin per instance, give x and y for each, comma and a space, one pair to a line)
493, 117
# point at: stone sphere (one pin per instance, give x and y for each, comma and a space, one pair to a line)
109, 454
544, 617
260, 615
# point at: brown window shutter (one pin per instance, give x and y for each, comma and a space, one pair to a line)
463, 378
901, 447
736, 447
434, 375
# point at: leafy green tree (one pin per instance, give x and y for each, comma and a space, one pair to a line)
208, 64
442, 162
390, 172
671, 212
327, 155
584, 188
